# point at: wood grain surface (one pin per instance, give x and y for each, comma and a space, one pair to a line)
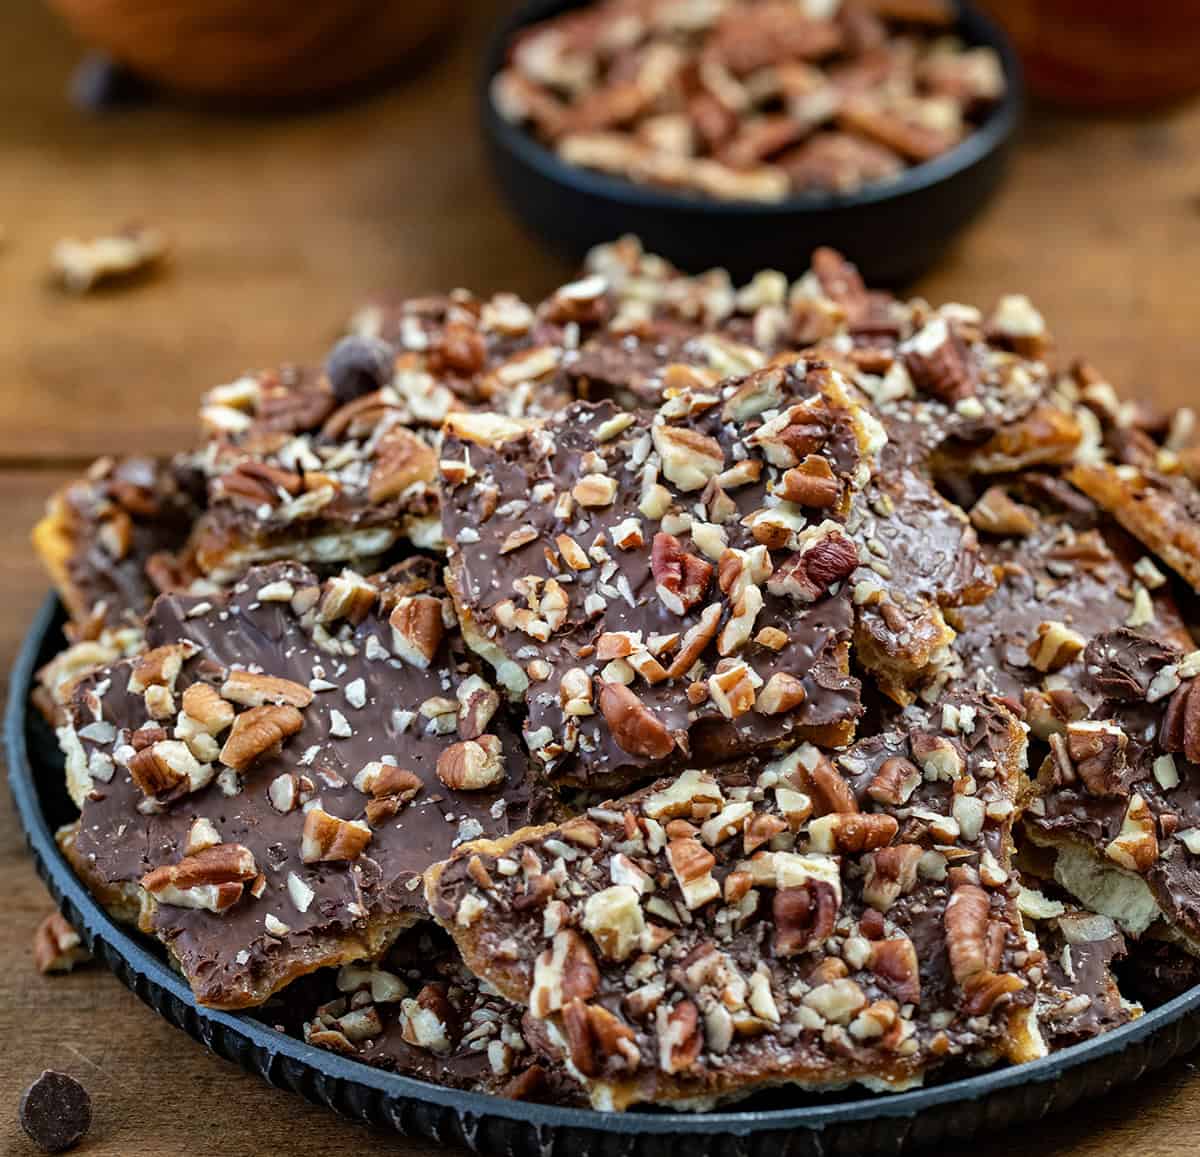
281, 225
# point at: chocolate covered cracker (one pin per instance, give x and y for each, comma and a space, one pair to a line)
103, 534
665, 587
1078, 996
295, 472
921, 557
281, 766
420, 1013
1118, 794
1065, 576
817, 920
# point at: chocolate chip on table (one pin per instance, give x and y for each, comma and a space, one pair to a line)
100, 84
359, 365
56, 1112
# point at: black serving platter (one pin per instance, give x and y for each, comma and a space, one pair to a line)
892, 231
852, 1123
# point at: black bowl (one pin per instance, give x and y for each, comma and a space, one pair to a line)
847, 1124
892, 231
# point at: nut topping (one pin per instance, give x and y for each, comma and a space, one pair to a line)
328, 838
417, 629
472, 764
634, 726
253, 690
681, 579
257, 732
211, 880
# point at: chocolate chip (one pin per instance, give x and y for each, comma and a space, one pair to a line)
358, 366
102, 85
56, 1112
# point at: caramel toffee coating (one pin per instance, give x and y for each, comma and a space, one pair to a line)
325, 729
419, 1012
660, 556
1119, 795
1053, 581
1160, 509
100, 532
769, 923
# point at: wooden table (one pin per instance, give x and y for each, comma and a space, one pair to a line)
281, 225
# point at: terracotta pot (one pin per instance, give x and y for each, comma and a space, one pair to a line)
1106, 54
270, 50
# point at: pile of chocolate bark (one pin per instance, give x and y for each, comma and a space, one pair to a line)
657, 694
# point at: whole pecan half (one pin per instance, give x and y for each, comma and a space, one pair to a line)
804, 916
636, 729
808, 575
1180, 730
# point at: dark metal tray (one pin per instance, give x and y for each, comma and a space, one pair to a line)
851, 1123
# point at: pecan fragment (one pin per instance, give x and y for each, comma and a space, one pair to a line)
680, 578
417, 628
566, 971
253, 690
57, 947
212, 880
1136, 846
1180, 729
679, 1037
328, 838
635, 728
473, 764
257, 732
811, 483
966, 921
808, 575
852, 831
783, 692
596, 1038
402, 459
804, 916
895, 781
938, 362
1098, 751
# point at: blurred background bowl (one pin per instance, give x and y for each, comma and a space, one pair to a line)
1106, 54
258, 50
893, 231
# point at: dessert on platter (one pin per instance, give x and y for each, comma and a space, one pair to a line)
653, 695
